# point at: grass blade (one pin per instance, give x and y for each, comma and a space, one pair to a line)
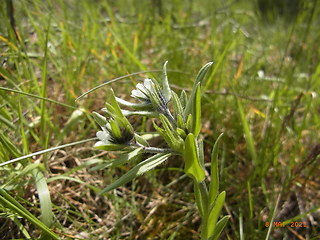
247, 133
46, 151
9, 202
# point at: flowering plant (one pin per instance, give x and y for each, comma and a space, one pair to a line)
180, 128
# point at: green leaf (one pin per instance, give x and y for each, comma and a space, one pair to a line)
177, 106
47, 216
73, 121
180, 122
181, 133
165, 84
101, 120
171, 137
112, 147
219, 227
214, 214
183, 99
113, 102
200, 153
174, 140
115, 129
189, 122
138, 170
192, 165
198, 81
114, 110
141, 140
119, 161
202, 73
214, 184
196, 112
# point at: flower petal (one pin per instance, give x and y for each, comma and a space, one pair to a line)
103, 136
138, 94
141, 87
100, 143
148, 84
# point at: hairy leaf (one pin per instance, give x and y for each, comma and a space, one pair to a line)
165, 84
214, 184
214, 213
138, 170
192, 165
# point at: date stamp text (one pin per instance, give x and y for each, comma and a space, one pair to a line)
295, 224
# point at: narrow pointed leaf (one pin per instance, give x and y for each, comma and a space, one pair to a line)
114, 108
167, 137
214, 213
200, 153
180, 122
111, 147
196, 112
189, 122
113, 102
199, 80
177, 106
176, 142
115, 128
165, 84
141, 140
119, 161
219, 227
138, 170
202, 73
181, 133
183, 99
214, 184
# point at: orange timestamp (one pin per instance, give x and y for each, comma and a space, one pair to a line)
294, 224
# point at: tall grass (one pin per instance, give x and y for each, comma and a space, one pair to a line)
57, 50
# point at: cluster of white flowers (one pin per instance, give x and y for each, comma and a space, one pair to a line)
151, 102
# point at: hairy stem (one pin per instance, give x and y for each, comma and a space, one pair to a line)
154, 149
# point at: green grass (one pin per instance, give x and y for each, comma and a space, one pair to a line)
269, 154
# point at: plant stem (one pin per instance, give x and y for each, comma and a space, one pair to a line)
204, 192
154, 149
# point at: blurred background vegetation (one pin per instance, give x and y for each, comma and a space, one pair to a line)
262, 92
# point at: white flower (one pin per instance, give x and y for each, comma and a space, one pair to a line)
260, 73
104, 137
142, 91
